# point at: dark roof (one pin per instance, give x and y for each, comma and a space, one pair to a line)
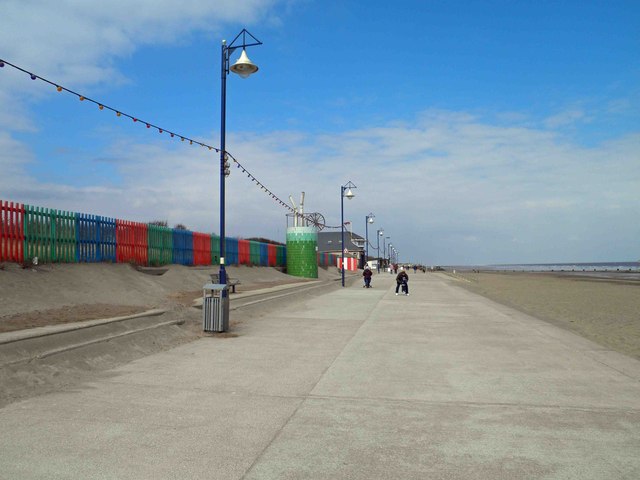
332, 241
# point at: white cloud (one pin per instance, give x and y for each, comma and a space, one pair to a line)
567, 117
434, 187
77, 39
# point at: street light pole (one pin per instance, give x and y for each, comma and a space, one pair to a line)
384, 248
243, 67
379, 233
386, 256
345, 191
368, 219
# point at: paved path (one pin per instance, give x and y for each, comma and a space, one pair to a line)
356, 384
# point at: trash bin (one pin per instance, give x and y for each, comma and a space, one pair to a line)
215, 308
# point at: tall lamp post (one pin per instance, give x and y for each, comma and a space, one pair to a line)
345, 191
379, 234
384, 250
368, 219
243, 67
389, 255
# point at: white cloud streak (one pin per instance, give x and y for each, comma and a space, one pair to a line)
434, 186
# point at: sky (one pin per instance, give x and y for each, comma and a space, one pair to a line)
476, 132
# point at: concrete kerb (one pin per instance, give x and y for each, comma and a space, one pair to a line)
197, 303
18, 335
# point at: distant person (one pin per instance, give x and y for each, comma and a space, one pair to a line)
415, 268
395, 268
367, 274
402, 280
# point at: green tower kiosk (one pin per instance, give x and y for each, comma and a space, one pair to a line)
302, 248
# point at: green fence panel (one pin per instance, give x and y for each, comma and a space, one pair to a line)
281, 258
49, 235
254, 252
160, 245
215, 249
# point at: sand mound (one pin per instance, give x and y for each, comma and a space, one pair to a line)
62, 293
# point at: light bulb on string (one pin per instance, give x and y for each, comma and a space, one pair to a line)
101, 106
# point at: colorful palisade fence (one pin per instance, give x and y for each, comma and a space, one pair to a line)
327, 259
56, 236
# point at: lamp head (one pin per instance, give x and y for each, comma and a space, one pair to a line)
370, 218
244, 67
381, 232
349, 194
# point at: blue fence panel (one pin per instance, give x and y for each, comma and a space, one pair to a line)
87, 238
264, 254
183, 247
231, 251
95, 238
107, 239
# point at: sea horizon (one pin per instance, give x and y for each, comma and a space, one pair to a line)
622, 266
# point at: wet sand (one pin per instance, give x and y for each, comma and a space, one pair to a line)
604, 310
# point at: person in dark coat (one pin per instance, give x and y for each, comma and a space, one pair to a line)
367, 274
402, 280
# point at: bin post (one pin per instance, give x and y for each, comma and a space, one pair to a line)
215, 308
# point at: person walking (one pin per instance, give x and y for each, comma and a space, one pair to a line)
367, 274
402, 280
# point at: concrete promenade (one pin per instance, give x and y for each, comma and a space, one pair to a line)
354, 384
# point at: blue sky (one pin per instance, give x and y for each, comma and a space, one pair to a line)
477, 132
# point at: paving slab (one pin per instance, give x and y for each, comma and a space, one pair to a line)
356, 383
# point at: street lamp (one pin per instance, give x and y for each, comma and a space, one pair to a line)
390, 249
368, 219
345, 191
380, 233
384, 250
243, 67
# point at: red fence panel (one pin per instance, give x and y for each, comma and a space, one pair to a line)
201, 248
350, 263
11, 232
272, 255
244, 252
131, 242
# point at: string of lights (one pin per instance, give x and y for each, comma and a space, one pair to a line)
149, 125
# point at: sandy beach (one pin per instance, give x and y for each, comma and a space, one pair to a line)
605, 310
